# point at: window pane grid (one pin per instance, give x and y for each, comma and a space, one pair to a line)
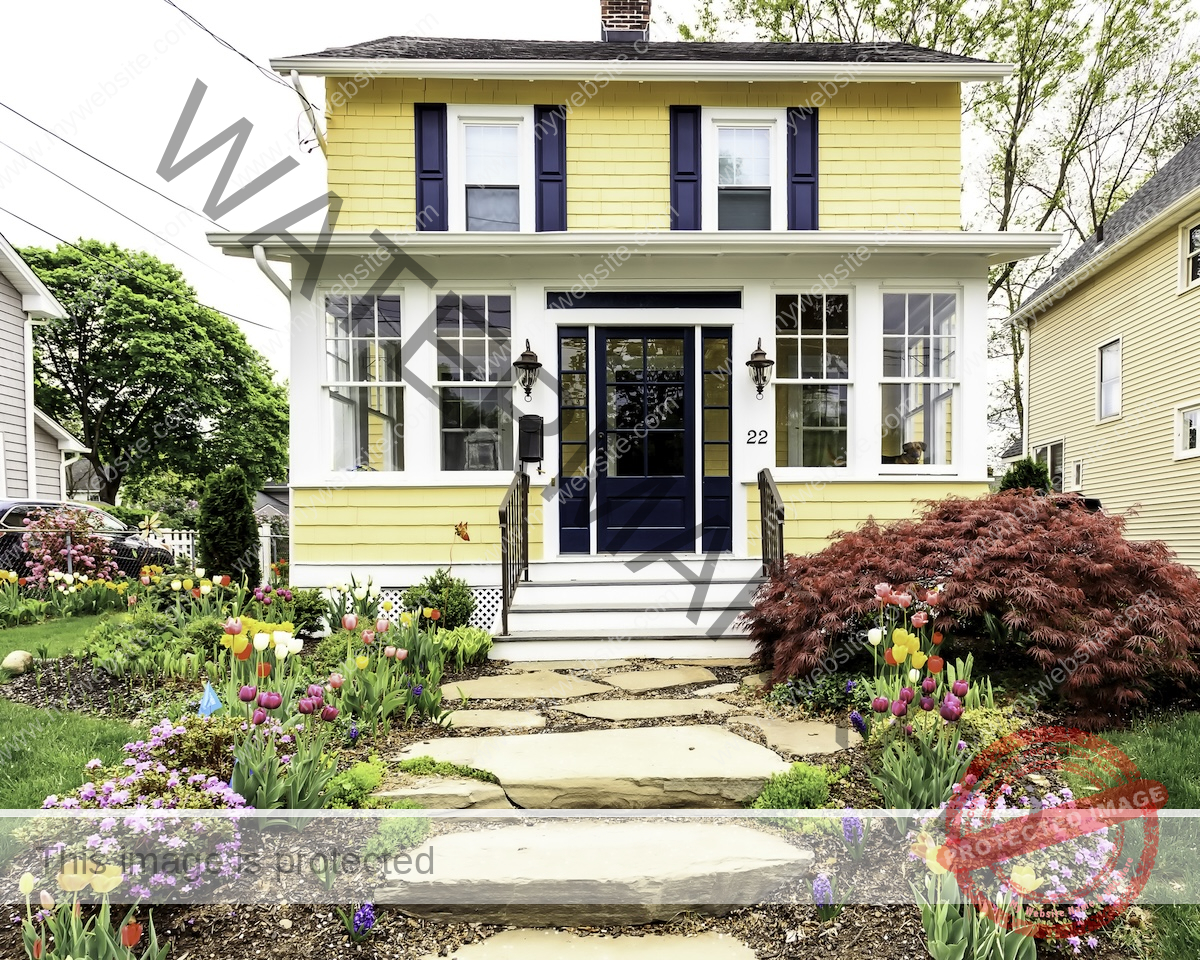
917, 391
812, 337
1190, 436
1193, 259
474, 338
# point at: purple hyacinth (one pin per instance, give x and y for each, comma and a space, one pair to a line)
364, 919
849, 685
858, 723
852, 830
353, 732
822, 891
416, 691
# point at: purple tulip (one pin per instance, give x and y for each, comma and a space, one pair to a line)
318, 702
329, 713
315, 689
879, 704
951, 709
272, 701
305, 705
929, 684
927, 703
259, 716
906, 694
960, 688
246, 694
908, 728
899, 708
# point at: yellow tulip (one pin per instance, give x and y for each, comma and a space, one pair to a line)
76, 876
26, 884
428, 611
361, 662
108, 879
918, 659
925, 849
187, 584
406, 618
240, 643
1024, 879
226, 641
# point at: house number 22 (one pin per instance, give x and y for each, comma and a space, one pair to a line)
756, 436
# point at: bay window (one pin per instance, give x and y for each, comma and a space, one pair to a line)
474, 360
363, 382
812, 343
920, 346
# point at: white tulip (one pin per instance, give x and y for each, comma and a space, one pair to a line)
297, 644
68, 577
281, 653
205, 589
914, 675
360, 593
199, 571
374, 591
282, 639
262, 641
874, 636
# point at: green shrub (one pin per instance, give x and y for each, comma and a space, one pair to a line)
397, 833
308, 614
428, 767
450, 595
227, 533
330, 653
466, 645
352, 788
1027, 474
804, 787
832, 693
203, 634
117, 646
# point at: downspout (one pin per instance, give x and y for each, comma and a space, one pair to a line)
260, 257
30, 435
308, 110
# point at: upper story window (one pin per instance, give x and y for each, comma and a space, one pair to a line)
363, 382
1187, 430
812, 342
493, 178
1191, 256
743, 178
1110, 380
920, 347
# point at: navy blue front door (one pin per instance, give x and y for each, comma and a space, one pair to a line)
646, 453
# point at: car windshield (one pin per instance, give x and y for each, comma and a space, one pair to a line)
101, 520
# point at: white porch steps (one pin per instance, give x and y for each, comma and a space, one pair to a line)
635, 607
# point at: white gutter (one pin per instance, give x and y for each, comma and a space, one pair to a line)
30, 434
260, 257
998, 247
308, 110
638, 70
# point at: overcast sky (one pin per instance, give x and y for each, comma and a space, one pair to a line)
113, 77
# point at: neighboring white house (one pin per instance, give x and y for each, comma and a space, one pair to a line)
34, 449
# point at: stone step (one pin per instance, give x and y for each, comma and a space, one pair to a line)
596, 644
583, 872
450, 793
646, 708
629, 768
525, 944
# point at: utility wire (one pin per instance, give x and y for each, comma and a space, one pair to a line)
127, 268
122, 173
102, 203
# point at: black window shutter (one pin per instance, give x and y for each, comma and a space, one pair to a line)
685, 168
550, 163
429, 120
802, 168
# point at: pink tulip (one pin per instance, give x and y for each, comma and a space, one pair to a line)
401, 654
906, 694
368, 636
929, 684
904, 600
883, 590
145, 581
317, 702
233, 626
314, 689
336, 680
304, 705
959, 689
389, 651
381, 625
899, 708
349, 622
247, 693
920, 618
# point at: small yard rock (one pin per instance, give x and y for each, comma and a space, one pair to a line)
17, 662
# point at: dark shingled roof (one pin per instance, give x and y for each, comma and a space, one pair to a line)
1177, 178
429, 48
1013, 450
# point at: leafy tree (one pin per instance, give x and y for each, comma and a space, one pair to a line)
1027, 474
147, 376
228, 535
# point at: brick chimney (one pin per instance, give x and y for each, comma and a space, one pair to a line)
624, 21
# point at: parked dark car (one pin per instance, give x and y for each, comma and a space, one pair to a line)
133, 550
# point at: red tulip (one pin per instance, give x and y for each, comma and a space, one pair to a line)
37, 949
436, 615
131, 933
935, 664
889, 658
937, 638
264, 670
245, 654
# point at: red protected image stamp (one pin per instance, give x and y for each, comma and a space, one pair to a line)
1041, 859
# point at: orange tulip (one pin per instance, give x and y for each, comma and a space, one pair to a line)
935, 664
264, 670
889, 657
937, 638
245, 654
131, 933
37, 949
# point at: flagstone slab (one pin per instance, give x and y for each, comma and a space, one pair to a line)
802, 737
639, 681
757, 679
539, 685
451, 793
534, 665
562, 872
716, 690
623, 768
496, 720
646, 708
525, 944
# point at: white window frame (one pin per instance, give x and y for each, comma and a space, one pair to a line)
1074, 481
457, 117
1186, 256
1046, 445
1101, 416
955, 383
1180, 410
775, 120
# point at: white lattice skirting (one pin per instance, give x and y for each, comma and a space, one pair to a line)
487, 606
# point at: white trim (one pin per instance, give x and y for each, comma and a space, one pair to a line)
1179, 452
628, 69
775, 121
36, 298
1060, 441
1073, 481
66, 441
1101, 417
30, 430
1186, 255
458, 115
3, 469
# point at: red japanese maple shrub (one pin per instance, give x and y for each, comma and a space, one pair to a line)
1109, 619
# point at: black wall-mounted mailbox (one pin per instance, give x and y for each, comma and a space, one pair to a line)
530, 444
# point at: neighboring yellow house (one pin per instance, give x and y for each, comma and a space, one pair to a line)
641, 216
1114, 362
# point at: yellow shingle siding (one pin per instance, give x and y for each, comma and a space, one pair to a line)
814, 511
1128, 462
370, 525
889, 152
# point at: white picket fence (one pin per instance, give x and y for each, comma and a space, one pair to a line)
182, 543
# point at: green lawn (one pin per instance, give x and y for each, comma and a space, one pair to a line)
58, 636
43, 751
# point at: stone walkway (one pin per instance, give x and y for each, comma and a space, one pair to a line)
551, 944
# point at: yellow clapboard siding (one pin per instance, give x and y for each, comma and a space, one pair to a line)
812, 512
889, 152
1128, 462
402, 525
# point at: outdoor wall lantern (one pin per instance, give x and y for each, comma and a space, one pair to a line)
527, 370
760, 368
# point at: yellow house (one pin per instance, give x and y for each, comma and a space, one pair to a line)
1114, 362
655, 224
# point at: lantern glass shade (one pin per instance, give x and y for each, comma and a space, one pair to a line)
527, 370
760, 366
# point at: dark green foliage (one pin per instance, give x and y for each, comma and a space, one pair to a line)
826, 695
450, 595
1027, 474
131, 516
804, 787
228, 535
309, 614
397, 833
117, 645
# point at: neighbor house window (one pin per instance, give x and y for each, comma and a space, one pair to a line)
812, 343
920, 350
1053, 455
475, 382
1110, 380
743, 178
1191, 262
363, 389
492, 175
1187, 431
